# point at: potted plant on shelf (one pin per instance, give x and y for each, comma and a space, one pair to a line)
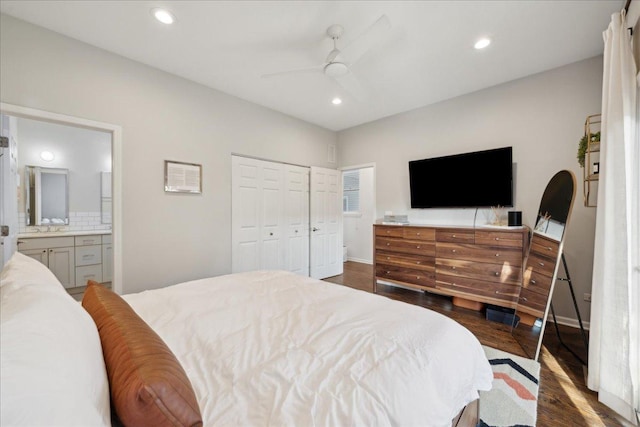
584, 143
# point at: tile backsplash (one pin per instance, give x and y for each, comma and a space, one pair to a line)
78, 221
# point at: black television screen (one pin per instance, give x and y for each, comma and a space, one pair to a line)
478, 179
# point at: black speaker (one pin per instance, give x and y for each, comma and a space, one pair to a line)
515, 218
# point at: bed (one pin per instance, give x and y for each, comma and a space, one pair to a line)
258, 348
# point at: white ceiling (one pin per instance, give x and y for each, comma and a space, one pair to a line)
427, 55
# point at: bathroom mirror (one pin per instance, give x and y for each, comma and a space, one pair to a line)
541, 269
47, 196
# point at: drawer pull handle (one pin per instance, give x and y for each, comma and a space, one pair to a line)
388, 257
418, 262
87, 256
497, 254
87, 241
388, 231
418, 247
44, 251
497, 238
388, 272
453, 251
549, 248
541, 264
417, 234
453, 235
453, 267
497, 273
523, 298
418, 277
87, 276
533, 282
388, 244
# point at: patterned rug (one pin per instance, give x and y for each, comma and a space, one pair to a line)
513, 399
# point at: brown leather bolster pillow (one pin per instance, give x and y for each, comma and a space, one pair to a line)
148, 385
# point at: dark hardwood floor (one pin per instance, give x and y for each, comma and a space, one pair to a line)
563, 398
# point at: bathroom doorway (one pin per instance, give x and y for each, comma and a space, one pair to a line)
359, 212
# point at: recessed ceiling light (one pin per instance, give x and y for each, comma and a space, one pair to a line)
336, 101
47, 156
482, 43
163, 16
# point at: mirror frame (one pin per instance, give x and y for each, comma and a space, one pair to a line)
33, 193
525, 337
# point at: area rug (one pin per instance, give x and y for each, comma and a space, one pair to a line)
513, 399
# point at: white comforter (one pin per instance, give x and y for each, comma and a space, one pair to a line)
273, 348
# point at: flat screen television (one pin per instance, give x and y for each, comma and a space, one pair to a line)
477, 179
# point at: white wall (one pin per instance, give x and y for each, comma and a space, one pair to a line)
167, 238
84, 152
541, 116
358, 235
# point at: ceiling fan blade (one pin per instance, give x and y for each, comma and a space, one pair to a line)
370, 38
316, 69
350, 84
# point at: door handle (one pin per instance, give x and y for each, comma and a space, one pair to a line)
315, 229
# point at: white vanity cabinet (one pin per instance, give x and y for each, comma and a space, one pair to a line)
57, 253
74, 259
88, 259
107, 258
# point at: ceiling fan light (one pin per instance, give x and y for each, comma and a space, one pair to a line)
482, 43
163, 16
336, 101
336, 69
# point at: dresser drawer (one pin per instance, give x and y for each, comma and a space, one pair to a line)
446, 235
406, 275
502, 294
540, 264
544, 247
390, 230
532, 302
88, 272
407, 261
479, 253
499, 273
420, 233
88, 255
535, 281
406, 246
89, 240
498, 238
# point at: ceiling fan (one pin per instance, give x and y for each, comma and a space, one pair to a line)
339, 62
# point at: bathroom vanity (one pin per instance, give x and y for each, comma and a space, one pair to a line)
74, 257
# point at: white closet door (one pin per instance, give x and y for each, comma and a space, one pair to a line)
326, 222
296, 205
245, 213
270, 216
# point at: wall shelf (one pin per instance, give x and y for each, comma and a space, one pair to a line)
590, 177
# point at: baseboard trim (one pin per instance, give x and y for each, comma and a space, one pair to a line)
360, 260
568, 321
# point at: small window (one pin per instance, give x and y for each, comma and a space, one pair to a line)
351, 191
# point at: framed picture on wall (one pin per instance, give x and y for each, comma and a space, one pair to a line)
181, 177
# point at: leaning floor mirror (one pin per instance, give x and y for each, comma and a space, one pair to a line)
541, 268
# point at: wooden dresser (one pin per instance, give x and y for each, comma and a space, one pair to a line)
481, 265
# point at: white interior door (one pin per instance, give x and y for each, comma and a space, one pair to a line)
257, 215
296, 205
9, 186
326, 222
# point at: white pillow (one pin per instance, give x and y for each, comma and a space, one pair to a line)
51, 361
23, 270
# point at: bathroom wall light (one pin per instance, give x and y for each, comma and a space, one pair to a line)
163, 16
47, 156
482, 43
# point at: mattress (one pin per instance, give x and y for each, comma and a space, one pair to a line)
274, 348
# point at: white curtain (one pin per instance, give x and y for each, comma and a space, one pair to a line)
614, 350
